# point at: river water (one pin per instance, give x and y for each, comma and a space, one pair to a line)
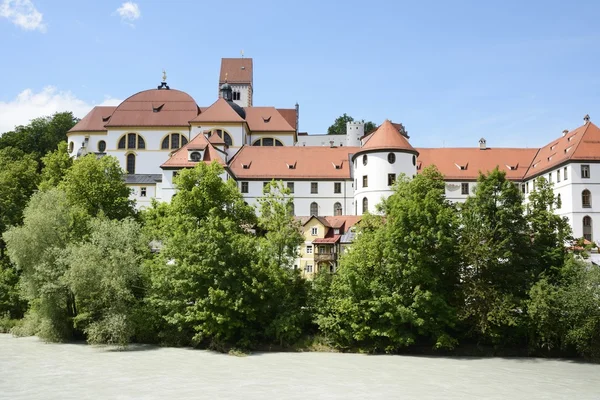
31, 369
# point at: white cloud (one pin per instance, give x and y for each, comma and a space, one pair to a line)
23, 14
28, 105
129, 12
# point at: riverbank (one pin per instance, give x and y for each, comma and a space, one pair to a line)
31, 369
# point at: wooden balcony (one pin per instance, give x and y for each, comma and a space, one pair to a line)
325, 257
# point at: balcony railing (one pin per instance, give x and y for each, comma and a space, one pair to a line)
325, 256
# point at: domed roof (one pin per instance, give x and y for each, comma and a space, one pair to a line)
225, 86
386, 137
155, 107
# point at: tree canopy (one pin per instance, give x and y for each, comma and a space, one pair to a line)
339, 125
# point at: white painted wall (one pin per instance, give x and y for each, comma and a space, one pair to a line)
303, 198
321, 140
286, 138
377, 170
142, 202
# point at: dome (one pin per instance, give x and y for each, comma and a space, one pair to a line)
225, 86
155, 107
386, 138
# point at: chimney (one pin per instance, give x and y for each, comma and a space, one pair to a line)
565, 132
482, 144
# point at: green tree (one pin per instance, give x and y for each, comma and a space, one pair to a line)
105, 275
214, 280
565, 313
277, 219
495, 245
10, 299
549, 231
397, 285
97, 186
35, 249
18, 180
339, 125
56, 164
42, 135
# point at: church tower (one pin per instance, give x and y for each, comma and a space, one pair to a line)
237, 72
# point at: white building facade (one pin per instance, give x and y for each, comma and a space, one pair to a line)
156, 133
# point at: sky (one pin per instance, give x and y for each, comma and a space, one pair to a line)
514, 72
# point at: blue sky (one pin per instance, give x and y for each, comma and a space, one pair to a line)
514, 72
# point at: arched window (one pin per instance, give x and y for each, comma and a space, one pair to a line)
132, 140
131, 163
391, 158
365, 160
314, 209
173, 141
267, 142
365, 205
292, 208
586, 199
587, 228
71, 147
101, 146
337, 209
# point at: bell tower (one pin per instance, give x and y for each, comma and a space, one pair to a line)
238, 74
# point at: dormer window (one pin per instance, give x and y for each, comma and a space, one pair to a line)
461, 167
512, 167
246, 165
266, 119
291, 165
157, 108
195, 156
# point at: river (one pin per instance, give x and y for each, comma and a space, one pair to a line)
31, 369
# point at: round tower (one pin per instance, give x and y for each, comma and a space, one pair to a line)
354, 131
383, 157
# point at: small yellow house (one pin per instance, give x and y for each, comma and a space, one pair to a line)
322, 243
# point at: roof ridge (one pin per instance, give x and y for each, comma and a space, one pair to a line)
587, 125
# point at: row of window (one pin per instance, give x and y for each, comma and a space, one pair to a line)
314, 187
391, 159
365, 180
314, 210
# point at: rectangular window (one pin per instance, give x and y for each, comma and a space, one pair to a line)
175, 173
314, 231
143, 192
308, 268
337, 187
558, 176
565, 174
131, 141
244, 187
314, 187
265, 186
527, 187
290, 186
464, 188
365, 181
391, 179
523, 188
585, 171
308, 249
550, 177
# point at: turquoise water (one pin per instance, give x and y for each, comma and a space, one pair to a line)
30, 369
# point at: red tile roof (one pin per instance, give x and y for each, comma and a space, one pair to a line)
343, 221
94, 120
581, 144
291, 162
290, 116
180, 158
327, 240
216, 139
466, 163
386, 137
219, 111
236, 70
262, 119
156, 107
